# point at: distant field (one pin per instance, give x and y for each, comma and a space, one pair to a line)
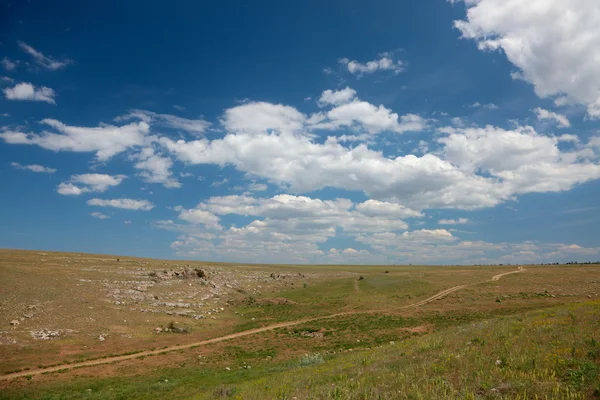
303, 331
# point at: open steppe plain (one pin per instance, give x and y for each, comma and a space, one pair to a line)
110, 327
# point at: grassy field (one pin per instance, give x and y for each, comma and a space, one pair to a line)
528, 334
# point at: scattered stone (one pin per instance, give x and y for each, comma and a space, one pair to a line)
45, 334
14, 322
7, 341
101, 338
498, 362
312, 334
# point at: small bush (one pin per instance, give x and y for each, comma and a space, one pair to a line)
224, 391
172, 328
200, 273
311, 359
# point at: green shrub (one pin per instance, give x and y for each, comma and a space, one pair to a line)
310, 359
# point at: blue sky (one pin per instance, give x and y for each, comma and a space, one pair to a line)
429, 132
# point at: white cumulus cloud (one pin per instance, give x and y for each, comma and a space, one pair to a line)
351, 112
126, 204
385, 62
29, 92
563, 122
262, 117
155, 168
87, 183
105, 140
336, 97
553, 43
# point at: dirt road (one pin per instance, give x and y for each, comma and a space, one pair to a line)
243, 333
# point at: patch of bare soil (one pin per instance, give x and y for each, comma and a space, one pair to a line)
419, 329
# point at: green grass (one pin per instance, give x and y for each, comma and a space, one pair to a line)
552, 353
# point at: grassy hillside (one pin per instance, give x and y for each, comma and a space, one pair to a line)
553, 353
546, 354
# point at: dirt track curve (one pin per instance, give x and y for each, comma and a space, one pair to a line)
108, 360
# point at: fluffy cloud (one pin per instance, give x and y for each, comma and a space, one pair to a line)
99, 215
523, 160
371, 118
34, 168
194, 126
155, 168
296, 229
199, 217
285, 226
374, 208
257, 117
105, 140
385, 62
69, 189
336, 98
26, 91
42, 60
304, 166
126, 204
473, 168
458, 221
89, 183
563, 122
559, 59
287, 218
427, 236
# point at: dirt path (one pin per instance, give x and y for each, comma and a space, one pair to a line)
497, 277
356, 288
437, 296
